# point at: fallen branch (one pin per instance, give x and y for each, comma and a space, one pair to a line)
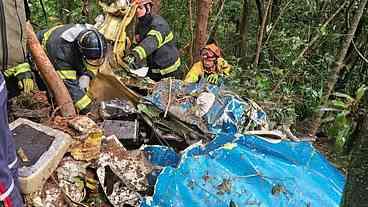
47, 70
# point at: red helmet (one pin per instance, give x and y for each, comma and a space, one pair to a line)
212, 47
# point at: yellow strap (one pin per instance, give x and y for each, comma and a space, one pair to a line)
47, 35
83, 102
169, 69
14, 71
67, 74
141, 52
158, 36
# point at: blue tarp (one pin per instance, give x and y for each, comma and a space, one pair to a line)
229, 113
239, 170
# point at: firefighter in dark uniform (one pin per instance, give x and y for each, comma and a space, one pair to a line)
156, 45
76, 51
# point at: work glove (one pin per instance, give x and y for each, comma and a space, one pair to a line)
213, 78
24, 75
84, 81
26, 84
134, 67
224, 66
131, 60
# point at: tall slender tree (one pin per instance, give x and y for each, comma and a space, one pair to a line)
203, 11
356, 190
337, 66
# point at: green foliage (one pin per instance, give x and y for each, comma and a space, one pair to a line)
289, 90
340, 119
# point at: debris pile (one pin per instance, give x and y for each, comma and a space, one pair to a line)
223, 156
175, 144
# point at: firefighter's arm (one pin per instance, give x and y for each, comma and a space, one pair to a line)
146, 47
157, 36
194, 73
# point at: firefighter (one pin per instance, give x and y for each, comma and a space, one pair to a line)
156, 45
17, 76
15, 68
212, 66
76, 51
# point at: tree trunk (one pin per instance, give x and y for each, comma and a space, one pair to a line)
275, 9
244, 28
356, 190
336, 67
68, 11
260, 9
190, 10
156, 7
87, 10
261, 31
57, 87
203, 12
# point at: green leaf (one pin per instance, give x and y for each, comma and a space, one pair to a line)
339, 104
339, 143
341, 119
323, 30
343, 95
360, 92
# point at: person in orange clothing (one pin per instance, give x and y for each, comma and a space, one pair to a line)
212, 66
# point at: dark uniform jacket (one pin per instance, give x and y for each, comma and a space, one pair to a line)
63, 54
157, 45
60, 44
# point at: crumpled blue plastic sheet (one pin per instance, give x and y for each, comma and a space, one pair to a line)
240, 170
228, 114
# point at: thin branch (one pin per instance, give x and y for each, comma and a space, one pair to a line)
216, 18
315, 38
277, 20
261, 30
359, 53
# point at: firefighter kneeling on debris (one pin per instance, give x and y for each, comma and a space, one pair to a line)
76, 51
212, 66
156, 45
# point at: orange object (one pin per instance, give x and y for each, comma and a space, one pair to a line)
212, 47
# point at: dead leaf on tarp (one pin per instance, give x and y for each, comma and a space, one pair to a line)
70, 175
126, 172
89, 148
82, 124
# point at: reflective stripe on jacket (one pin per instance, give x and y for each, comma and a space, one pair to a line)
157, 45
